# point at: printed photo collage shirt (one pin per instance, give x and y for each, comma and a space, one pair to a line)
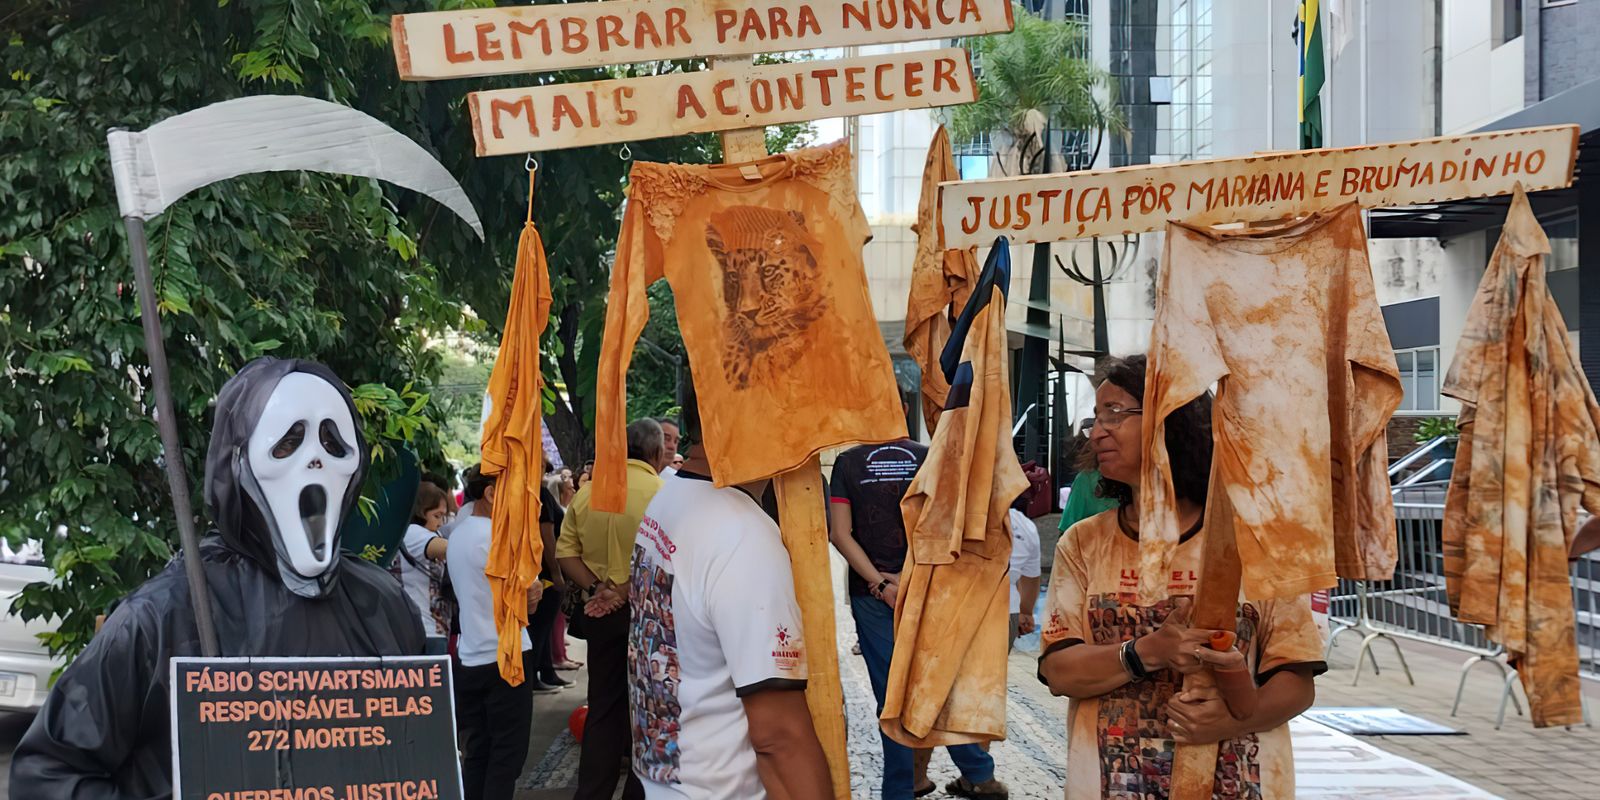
1119, 745
714, 619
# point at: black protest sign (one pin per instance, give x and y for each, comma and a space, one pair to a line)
314, 729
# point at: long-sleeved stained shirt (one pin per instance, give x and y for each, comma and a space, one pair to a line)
604, 540
941, 280
1285, 320
1529, 456
513, 450
947, 681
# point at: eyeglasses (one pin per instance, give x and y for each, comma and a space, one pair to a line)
1112, 419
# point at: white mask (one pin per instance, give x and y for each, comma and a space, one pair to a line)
302, 457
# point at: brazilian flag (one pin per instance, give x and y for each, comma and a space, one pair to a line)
1309, 28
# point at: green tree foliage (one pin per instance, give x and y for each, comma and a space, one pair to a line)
1029, 77
360, 276
303, 265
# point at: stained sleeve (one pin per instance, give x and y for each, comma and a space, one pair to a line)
751, 604
92, 721
1185, 358
1289, 638
627, 310
1065, 621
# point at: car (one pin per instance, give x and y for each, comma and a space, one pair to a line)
26, 665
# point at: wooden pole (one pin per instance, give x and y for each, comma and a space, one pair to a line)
1216, 607
801, 510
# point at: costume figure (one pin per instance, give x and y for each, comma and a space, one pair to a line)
284, 467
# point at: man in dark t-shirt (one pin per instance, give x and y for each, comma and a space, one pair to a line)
866, 528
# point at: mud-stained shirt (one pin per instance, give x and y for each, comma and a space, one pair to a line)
1286, 322
1119, 744
764, 260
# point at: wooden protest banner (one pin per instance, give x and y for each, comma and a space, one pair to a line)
1076, 205
724, 97
325, 728
543, 38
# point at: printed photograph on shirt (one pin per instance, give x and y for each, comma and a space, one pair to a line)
772, 289
653, 671
1136, 745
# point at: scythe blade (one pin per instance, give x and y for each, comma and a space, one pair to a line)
271, 133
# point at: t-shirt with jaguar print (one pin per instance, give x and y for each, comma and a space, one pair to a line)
764, 261
1119, 745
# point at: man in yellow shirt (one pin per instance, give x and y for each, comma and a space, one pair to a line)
595, 552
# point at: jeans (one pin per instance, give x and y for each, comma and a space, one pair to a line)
494, 719
875, 629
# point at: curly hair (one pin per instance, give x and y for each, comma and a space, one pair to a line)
1188, 435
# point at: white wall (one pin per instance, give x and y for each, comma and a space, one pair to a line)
1481, 82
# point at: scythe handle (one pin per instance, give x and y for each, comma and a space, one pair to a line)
172, 450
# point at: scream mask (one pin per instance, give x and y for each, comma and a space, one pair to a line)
285, 466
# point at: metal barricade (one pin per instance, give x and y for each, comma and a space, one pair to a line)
1414, 605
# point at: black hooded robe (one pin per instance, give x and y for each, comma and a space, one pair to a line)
104, 732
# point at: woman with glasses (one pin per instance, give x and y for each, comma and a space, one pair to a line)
1123, 663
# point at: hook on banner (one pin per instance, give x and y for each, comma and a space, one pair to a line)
626, 153
531, 164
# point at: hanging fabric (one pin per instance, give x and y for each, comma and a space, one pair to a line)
941, 281
947, 681
764, 259
1529, 456
513, 448
1286, 322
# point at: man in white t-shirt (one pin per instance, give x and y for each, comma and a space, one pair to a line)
713, 595
1024, 572
492, 716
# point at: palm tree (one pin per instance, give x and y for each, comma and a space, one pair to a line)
1030, 80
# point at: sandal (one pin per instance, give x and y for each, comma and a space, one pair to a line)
926, 790
961, 787
568, 666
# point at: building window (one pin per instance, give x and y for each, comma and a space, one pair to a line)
1507, 22
1419, 376
972, 158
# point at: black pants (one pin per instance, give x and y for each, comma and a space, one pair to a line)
493, 719
608, 733
541, 659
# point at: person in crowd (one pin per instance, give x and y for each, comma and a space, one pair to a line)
557, 495
280, 427
866, 528
669, 435
1082, 500
713, 601
420, 565
585, 475
1114, 656
492, 716
542, 622
594, 553
1024, 573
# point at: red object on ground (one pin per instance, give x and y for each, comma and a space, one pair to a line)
575, 723
1222, 640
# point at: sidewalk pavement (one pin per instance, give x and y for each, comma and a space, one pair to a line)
1515, 762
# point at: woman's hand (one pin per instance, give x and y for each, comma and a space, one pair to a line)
606, 600
1199, 716
1172, 646
535, 594
891, 592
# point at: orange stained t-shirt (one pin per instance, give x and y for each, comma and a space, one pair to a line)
764, 260
1286, 321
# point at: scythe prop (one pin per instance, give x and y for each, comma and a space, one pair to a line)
272, 133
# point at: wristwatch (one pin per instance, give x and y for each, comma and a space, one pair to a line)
877, 591
592, 587
1130, 662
